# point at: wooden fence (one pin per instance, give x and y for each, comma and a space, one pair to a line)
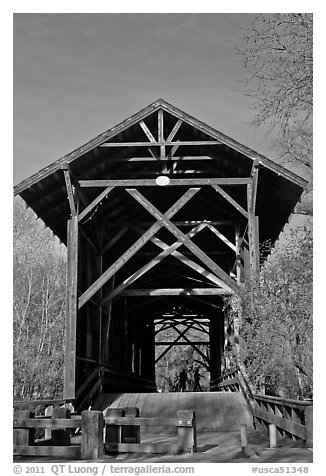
283, 417
114, 433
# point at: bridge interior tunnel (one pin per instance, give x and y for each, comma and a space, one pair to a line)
146, 340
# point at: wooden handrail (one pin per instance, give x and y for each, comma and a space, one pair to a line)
35, 403
283, 401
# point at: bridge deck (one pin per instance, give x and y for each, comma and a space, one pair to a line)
215, 411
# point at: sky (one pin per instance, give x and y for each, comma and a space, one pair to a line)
76, 75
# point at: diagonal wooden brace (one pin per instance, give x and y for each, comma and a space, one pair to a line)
134, 248
137, 274
232, 286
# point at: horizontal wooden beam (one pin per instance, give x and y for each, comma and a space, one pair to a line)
144, 448
160, 143
67, 452
175, 292
185, 158
183, 343
173, 182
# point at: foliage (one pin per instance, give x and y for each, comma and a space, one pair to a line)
275, 338
276, 52
181, 357
39, 296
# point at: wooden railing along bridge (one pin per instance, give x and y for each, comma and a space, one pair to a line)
283, 417
51, 428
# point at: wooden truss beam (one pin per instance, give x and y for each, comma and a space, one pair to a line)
253, 235
173, 182
160, 120
154, 262
230, 199
222, 237
254, 176
71, 313
185, 158
192, 343
174, 130
175, 292
213, 267
147, 132
191, 264
114, 240
135, 247
189, 343
70, 192
95, 202
161, 143
177, 223
181, 334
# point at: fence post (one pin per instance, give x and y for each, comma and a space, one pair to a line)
309, 426
187, 441
272, 436
113, 432
60, 437
92, 434
131, 434
243, 436
48, 412
24, 437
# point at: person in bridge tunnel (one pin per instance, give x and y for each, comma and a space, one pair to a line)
197, 377
183, 380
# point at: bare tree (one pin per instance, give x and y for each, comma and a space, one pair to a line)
39, 295
277, 57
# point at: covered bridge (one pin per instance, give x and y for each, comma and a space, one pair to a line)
162, 217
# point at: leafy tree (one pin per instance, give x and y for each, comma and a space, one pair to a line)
39, 297
276, 52
275, 335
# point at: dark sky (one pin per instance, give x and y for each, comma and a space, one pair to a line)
76, 75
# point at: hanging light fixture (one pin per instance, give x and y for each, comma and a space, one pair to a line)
162, 180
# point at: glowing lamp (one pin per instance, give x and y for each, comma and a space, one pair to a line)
162, 180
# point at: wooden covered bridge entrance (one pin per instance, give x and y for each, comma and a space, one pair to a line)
162, 216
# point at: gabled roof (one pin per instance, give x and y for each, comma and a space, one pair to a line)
117, 154
141, 115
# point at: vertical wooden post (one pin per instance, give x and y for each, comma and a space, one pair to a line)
71, 313
161, 132
243, 436
92, 435
187, 439
253, 237
48, 412
131, 434
100, 309
272, 436
60, 437
237, 253
23, 437
309, 426
113, 432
